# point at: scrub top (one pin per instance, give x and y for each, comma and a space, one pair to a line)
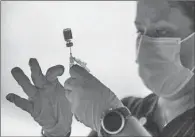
182, 126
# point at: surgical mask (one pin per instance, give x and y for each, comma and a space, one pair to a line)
160, 66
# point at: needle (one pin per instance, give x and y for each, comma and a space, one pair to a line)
71, 59
70, 51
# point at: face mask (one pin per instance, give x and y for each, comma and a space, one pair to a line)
160, 66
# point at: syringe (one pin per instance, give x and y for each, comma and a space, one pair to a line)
67, 37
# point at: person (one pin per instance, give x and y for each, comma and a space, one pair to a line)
165, 56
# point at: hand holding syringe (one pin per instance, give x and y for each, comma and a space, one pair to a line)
67, 37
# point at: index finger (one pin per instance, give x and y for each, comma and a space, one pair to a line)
23, 81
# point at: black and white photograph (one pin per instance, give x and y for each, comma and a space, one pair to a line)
98, 68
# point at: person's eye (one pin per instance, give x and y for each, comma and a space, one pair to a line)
139, 32
161, 32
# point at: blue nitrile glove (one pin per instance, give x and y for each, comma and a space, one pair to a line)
47, 102
89, 97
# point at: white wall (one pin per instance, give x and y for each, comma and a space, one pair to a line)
104, 37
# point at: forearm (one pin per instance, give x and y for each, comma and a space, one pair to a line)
134, 128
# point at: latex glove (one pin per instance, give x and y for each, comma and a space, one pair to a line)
47, 102
89, 97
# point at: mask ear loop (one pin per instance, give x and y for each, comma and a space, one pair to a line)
187, 37
139, 44
193, 69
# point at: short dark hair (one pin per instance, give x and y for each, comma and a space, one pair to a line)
188, 8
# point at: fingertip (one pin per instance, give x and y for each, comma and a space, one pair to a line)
75, 69
79, 72
55, 71
61, 68
16, 69
34, 64
10, 97
31, 60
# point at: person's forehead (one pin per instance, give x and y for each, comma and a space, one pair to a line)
153, 15
152, 11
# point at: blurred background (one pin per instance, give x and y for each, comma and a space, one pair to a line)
103, 36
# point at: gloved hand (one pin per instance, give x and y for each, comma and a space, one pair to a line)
89, 97
47, 102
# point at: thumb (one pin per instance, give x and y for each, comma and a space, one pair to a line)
53, 72
20, 102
